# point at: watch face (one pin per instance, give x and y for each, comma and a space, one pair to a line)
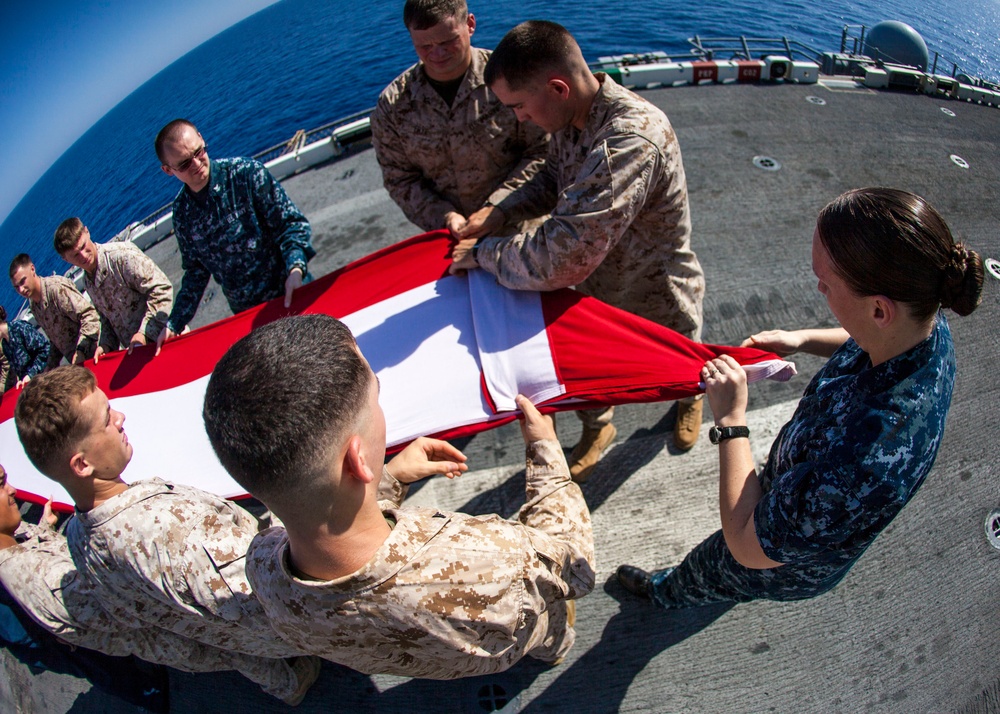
713, 435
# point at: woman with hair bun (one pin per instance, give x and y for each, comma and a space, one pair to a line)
868, 426
24, 351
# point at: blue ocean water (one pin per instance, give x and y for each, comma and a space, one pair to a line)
302, 63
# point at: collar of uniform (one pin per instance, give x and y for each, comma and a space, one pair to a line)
136, 492
597, 116
414, 528
44, 297
884, 377
421, 89
101, 272
14, 550
211, 188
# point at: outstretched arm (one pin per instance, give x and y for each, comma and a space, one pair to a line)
819, 342
421, 458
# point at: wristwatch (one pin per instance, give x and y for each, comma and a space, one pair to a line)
719, 434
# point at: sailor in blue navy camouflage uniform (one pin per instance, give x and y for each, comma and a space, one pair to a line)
233, 222
868, 427
25, 350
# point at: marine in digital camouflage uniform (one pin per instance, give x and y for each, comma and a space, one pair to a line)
164, 555
447, 595
353, 576
131, 294
68, 319
437, 158
620, 227
192, 582
858, 447
244, 231
25, 350
614, 189
39, 574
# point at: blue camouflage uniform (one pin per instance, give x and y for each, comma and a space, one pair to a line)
854, 453
27, 350
242, 230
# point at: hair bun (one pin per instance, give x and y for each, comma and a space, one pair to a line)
963, 279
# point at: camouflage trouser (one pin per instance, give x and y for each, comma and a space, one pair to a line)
559, 636
709, 574
275, 676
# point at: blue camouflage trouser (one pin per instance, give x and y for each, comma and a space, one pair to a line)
709, 574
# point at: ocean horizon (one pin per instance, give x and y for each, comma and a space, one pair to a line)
302, 63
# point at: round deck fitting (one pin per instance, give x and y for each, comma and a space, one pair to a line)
816, 100
993, 267
946, 110
959, 161
766, 163
992, 526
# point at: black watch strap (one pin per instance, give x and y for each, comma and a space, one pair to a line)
718, 434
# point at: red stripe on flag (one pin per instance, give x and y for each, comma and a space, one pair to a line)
381, 275
608, 356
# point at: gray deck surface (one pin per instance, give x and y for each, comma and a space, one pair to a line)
912, 628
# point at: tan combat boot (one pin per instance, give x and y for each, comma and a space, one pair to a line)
688, 424
588, 452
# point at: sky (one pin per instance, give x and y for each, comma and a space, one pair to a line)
64, 64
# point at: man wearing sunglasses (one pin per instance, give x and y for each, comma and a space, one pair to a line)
233, 222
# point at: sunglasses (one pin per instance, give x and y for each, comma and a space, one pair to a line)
186, 163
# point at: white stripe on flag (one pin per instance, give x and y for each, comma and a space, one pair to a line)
514, 349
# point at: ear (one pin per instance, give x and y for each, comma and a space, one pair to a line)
471, 22
79, 466
559, 87
166, 169
356, 462
883, 311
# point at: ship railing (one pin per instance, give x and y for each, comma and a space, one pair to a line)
304, 150
749, 48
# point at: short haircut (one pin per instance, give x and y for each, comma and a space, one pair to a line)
48, 417
67, 234
279, 401
884, 241
530, 50
168, 133
21, 260
425, 14
3, 314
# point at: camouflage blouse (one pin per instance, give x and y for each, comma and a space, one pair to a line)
436, 159
447, 594
620, 225
26, 352
247, 234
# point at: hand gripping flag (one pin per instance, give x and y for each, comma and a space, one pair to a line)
451, 353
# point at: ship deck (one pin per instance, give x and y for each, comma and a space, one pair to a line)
911, 626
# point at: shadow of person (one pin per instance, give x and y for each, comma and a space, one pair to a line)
503, 500
399, 335
636, 634
624, 459
130, 365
